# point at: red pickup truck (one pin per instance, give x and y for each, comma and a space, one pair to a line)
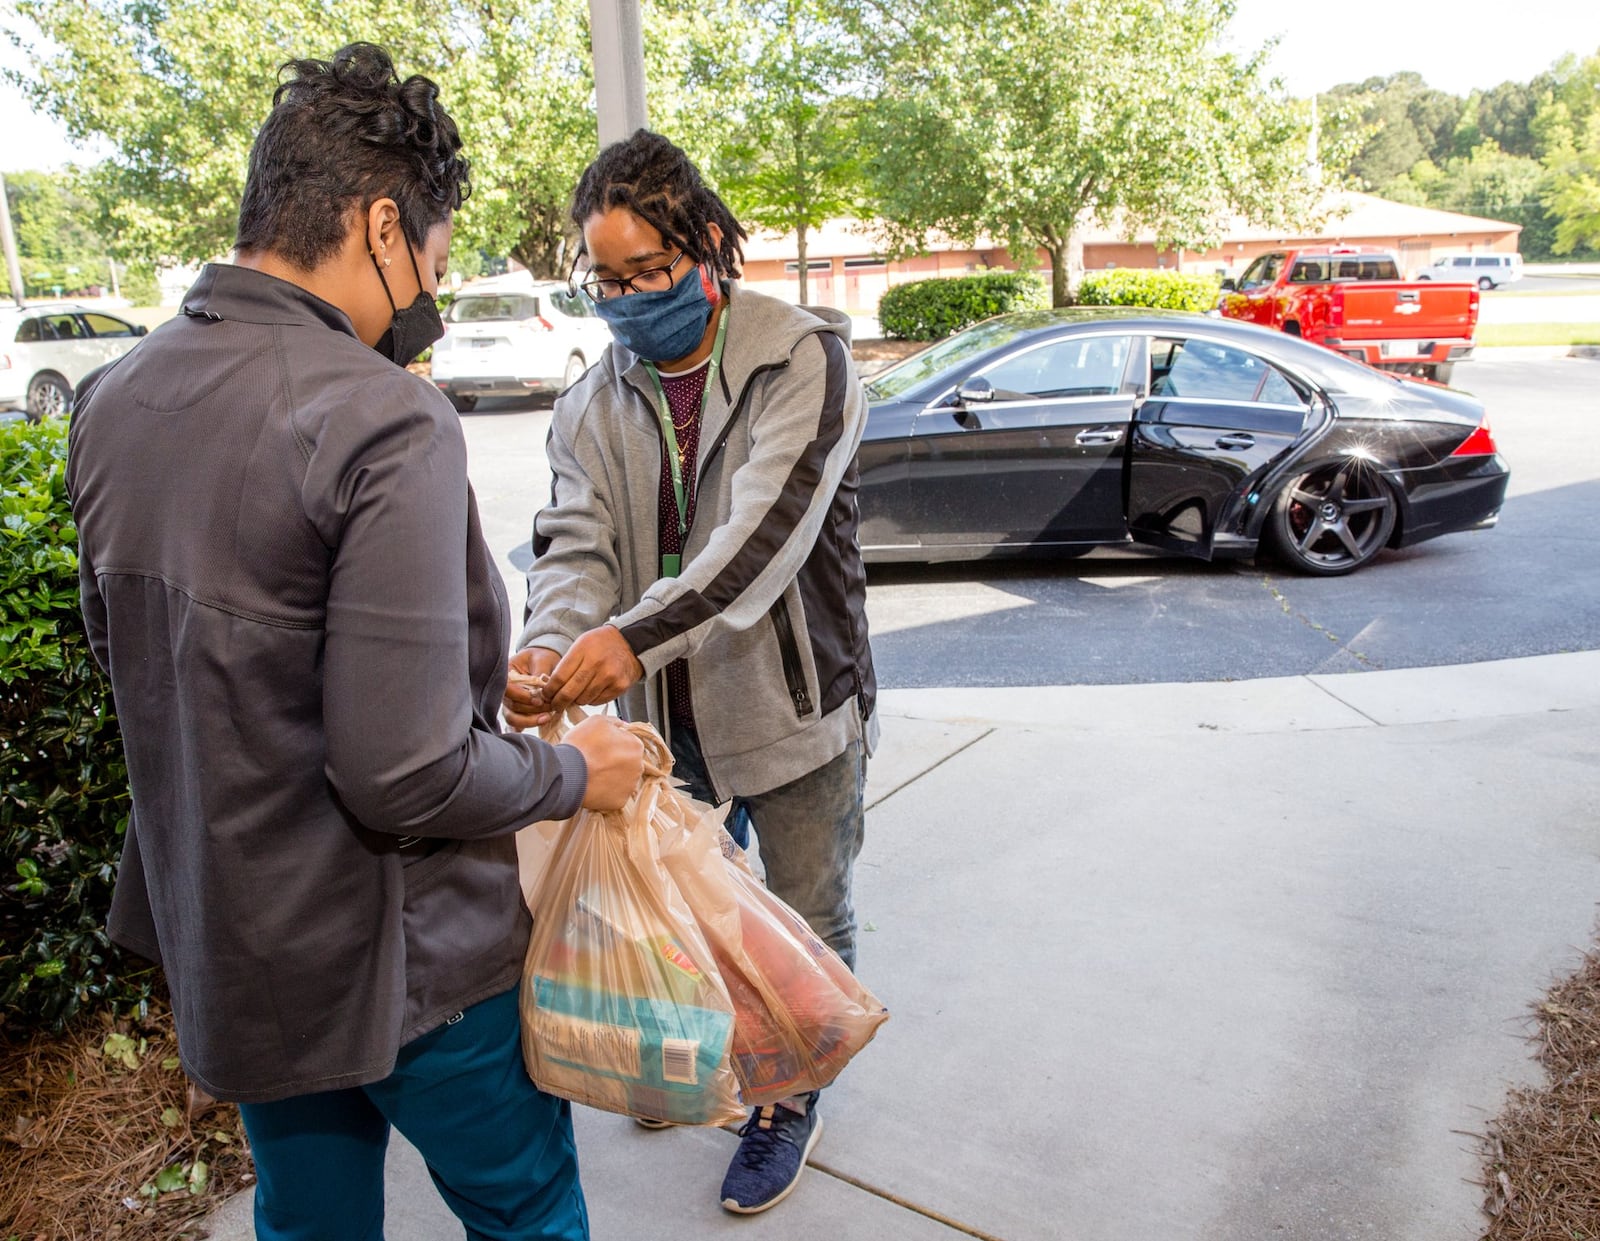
1352, 300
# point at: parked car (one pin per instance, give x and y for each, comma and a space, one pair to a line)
46, 349
513, 336
1054, 432
1351, 299
1487, 271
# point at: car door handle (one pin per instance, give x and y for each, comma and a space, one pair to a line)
1235, 442
1100, 436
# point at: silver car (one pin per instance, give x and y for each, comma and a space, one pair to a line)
46, 349
515, 336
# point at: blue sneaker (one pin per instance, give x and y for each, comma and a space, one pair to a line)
773, 1147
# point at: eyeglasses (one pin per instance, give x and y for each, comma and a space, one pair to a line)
650, 280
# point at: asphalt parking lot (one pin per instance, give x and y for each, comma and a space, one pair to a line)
1118, 617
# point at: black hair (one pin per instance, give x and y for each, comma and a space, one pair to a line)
346, 132
655, 180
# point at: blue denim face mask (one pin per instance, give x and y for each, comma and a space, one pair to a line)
660, 327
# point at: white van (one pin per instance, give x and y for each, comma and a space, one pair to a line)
1487, 271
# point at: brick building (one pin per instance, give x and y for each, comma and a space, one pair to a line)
846, 270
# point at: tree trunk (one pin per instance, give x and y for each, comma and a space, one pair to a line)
800, 242
1060, 284
542, 248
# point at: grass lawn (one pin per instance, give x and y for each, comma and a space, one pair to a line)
1538, 334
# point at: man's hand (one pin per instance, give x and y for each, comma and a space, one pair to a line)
615, 757
598, 668
525, 703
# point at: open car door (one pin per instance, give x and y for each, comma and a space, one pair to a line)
1215, 419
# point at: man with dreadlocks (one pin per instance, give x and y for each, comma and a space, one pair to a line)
698, 557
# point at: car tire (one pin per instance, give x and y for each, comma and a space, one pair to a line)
1485, 283
575, 369
463, 404
49, 396
1440, 372
1333, 519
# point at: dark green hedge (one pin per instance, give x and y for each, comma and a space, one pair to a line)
932, 309
63, 784
1164, 290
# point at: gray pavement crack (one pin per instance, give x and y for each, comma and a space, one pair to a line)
1344, 702
934, 766
1289, 611
904, 1203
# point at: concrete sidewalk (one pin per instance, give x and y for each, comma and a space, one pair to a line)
1214, 962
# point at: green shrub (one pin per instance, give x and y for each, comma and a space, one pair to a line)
140, 286
1164, 290
932, 309
63, 783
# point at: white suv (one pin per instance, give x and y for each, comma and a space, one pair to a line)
46, 349
1487, 271
513, 336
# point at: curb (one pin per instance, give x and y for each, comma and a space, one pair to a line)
1523, 353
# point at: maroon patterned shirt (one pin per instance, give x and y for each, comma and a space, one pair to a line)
683, 394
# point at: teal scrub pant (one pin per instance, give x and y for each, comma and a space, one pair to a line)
499, 1149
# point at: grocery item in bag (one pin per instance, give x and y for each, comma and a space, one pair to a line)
800, 1015
622, 1007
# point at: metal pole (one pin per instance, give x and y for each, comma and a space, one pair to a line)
8, 242
616, 40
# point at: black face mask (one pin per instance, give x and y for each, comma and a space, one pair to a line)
413, 329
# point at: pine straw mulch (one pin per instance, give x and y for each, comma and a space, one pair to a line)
103, 1137
1542, 1154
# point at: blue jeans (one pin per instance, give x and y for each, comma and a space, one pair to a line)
499, 1149
809, 831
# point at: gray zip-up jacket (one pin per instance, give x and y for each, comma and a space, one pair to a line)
283, 573
770, 609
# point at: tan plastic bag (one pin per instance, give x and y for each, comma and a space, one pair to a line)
800, 1015
622, 1007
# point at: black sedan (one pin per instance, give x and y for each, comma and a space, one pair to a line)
1053, 432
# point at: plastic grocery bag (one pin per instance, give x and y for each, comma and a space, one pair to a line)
800, 1015
622, 1007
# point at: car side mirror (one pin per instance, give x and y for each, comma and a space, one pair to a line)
975, 391
1229, 285
139, 329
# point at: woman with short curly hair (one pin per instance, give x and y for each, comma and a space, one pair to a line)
283, 572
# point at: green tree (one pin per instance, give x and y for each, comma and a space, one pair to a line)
523, 94
1028, 119
1505, 114
1395, 122
176, 91
788, 160
58, 245
1573, 192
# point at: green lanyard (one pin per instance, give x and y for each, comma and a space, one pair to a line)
672, 563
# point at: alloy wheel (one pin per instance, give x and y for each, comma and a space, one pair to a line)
1334, 519
48, 397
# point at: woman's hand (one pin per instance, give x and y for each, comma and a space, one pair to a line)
615, 757
526, 704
